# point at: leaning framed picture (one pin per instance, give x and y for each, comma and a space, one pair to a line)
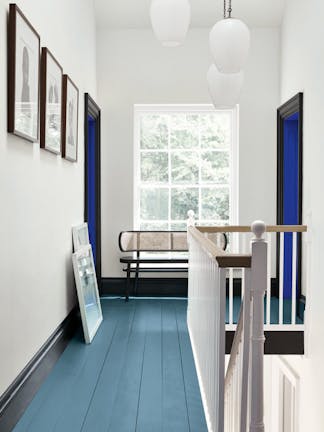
87, 289
80, 236
23, 76
51, 103
70, 113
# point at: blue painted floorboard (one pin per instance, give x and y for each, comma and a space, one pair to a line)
149, 414
138, 375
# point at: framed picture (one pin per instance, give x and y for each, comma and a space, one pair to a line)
23, 76
80, 235
87, 289
51, 103
70, 114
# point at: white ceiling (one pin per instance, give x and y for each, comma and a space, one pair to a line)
135, 13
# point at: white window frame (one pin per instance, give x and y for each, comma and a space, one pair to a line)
140, 109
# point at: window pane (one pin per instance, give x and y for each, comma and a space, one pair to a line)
154, 226
184, 131
154, 131
154, 204
215, 167
215, 203
184, 167
183, 200
179, 226
154, 167
215, 130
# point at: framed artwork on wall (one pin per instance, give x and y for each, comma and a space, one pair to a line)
51, 103
87, 289
23, 76
70, 115
80, 235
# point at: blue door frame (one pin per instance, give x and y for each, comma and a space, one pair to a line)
92, 201
290, 183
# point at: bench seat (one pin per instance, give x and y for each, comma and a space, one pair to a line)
155, 252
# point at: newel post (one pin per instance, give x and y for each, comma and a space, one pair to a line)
258, 289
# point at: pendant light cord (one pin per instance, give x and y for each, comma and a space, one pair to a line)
230, 9
227, 12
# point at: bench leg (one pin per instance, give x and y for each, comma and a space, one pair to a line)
136, 279
127, 283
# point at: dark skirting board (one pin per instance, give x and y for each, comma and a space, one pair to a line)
17, 397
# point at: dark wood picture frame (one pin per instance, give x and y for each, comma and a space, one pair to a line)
67, 81
46, 54
12, 91
292, 106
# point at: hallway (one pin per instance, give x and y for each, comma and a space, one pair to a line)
137, 375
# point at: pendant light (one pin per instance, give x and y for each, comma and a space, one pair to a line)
170, 21
224, 89
229, 42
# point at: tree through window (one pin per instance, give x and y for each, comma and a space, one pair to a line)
185, 160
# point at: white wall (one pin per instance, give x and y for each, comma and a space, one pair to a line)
303, 70
133, 68
41, 194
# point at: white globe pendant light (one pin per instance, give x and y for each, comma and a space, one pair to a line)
229, 42
170, 21
224, 89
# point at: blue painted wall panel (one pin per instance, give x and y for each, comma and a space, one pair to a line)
290, 192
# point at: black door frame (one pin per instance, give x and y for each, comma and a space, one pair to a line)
92, 109
292, 106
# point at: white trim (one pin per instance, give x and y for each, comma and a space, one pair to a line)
187, 108
80, 235
84, 253
176, 108
280, 370
137, 167
200, 381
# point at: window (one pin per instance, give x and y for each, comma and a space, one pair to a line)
185, 159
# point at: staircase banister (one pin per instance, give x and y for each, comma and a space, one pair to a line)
224, 259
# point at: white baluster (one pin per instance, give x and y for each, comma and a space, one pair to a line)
281, 276
269, 280
294, 279
231, 297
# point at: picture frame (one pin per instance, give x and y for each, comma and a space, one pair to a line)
51, 103
23, 76
80, 234
70, 119
87, 290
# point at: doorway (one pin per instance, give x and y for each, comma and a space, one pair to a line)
92, 163
290, 183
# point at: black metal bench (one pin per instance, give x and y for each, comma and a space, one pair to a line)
166, 251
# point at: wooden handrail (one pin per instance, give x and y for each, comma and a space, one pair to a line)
224, 260
247, 228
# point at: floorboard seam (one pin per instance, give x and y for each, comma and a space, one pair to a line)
140, 386
182, 372
99, 375
125, 361
162, 366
